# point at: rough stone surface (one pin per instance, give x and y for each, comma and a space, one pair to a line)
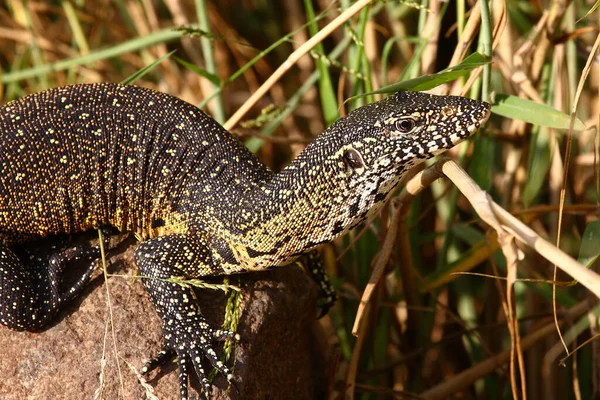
278, 356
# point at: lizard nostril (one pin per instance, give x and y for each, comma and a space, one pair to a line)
447, 111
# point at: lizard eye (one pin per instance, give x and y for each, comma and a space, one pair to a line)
353, 159
405, 125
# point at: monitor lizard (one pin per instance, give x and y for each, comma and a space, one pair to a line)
88, 156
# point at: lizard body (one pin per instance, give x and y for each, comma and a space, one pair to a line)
88, 156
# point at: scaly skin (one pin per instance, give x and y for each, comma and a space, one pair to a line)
87, 156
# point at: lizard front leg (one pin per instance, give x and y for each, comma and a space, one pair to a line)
186, 332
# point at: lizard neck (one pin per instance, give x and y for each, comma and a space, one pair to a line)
305, 205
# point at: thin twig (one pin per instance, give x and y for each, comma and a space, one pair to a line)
584, 74
110, 311
522, 232
381, 261
355, 358
293, 59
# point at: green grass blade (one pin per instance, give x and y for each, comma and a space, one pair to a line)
535, 113
202, 72
538, 168
326, 90
146, 69
591, 10
208, 50
163, 36
540, 154
590, 244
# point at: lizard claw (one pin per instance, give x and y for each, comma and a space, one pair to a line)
190, 340
166, 354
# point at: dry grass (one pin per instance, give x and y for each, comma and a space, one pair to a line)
425, 329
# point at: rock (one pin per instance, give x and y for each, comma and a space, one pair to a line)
278, 356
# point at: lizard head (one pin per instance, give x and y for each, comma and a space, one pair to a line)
364, 155
406, 129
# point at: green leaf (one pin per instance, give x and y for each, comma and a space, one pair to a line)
590, 244
538, 166
211, 77
137, 75
426, 82
535, 113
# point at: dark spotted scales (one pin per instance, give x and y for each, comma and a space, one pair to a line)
87, 156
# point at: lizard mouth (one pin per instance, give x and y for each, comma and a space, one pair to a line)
479, 122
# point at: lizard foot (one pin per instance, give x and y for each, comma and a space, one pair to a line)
190, 340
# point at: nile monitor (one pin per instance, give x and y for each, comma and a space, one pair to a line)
100, 155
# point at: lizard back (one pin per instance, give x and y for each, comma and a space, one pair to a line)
84, 156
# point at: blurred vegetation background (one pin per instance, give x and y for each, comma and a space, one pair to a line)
427, 325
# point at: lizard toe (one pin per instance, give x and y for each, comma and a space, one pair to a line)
196, 357
165, 355
183, 376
